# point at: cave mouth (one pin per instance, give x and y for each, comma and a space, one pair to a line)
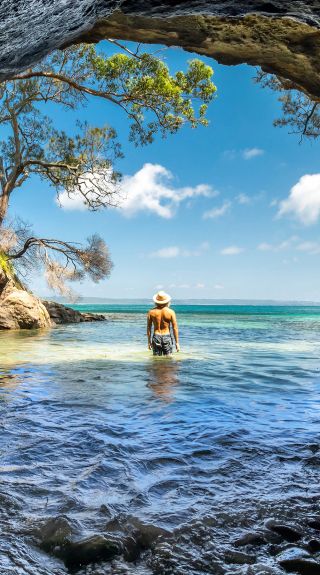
282, 38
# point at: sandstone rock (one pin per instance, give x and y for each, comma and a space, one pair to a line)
20, 309
61, 314
282, 36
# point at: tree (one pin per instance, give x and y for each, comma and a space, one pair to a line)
300, 113
138, 83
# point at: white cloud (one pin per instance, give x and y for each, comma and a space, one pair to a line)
170, 252
284, 245
294, 243
217, 212
247, 154
243, 199
176, 251
303, 201
231, 251
149, 190
200, 286
309, 247
218, 286
265, 247
250, 153
74, 202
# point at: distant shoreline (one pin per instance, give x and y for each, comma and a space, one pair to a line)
200, 302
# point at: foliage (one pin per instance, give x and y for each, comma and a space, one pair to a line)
300, 113
62, 261
5, 264
139, 84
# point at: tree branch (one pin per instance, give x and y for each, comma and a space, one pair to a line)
72, 83
56, 245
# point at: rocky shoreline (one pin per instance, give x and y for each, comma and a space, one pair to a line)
277, 547
61, 314
20, 309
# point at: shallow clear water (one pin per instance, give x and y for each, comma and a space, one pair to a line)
175, 458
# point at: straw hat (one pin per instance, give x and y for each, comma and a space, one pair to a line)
161, 298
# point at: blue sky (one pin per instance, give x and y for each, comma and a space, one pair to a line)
236, 214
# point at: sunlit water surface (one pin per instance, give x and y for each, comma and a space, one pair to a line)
180, 456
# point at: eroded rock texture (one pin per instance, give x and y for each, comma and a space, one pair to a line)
20, 309
282, 36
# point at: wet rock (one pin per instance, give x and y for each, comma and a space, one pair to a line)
297, 560
104, 509
314, 523
275, 549
313, 461
287, 532
90, 550
239, 558
135, 535
250, 539
301, 566
314, 447
86, 316
272, 537
313, 545
61, 314
55, 533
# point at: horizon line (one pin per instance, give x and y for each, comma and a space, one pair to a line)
89, 299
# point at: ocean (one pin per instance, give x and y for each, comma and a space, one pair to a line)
115, 462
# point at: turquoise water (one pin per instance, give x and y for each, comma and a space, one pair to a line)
173, 458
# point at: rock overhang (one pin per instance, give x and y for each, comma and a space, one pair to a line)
283, 37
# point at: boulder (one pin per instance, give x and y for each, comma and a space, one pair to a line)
304, 566
55, 534
250, 539
20, 309
288, 532
238, 558
90, 550
61, 314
